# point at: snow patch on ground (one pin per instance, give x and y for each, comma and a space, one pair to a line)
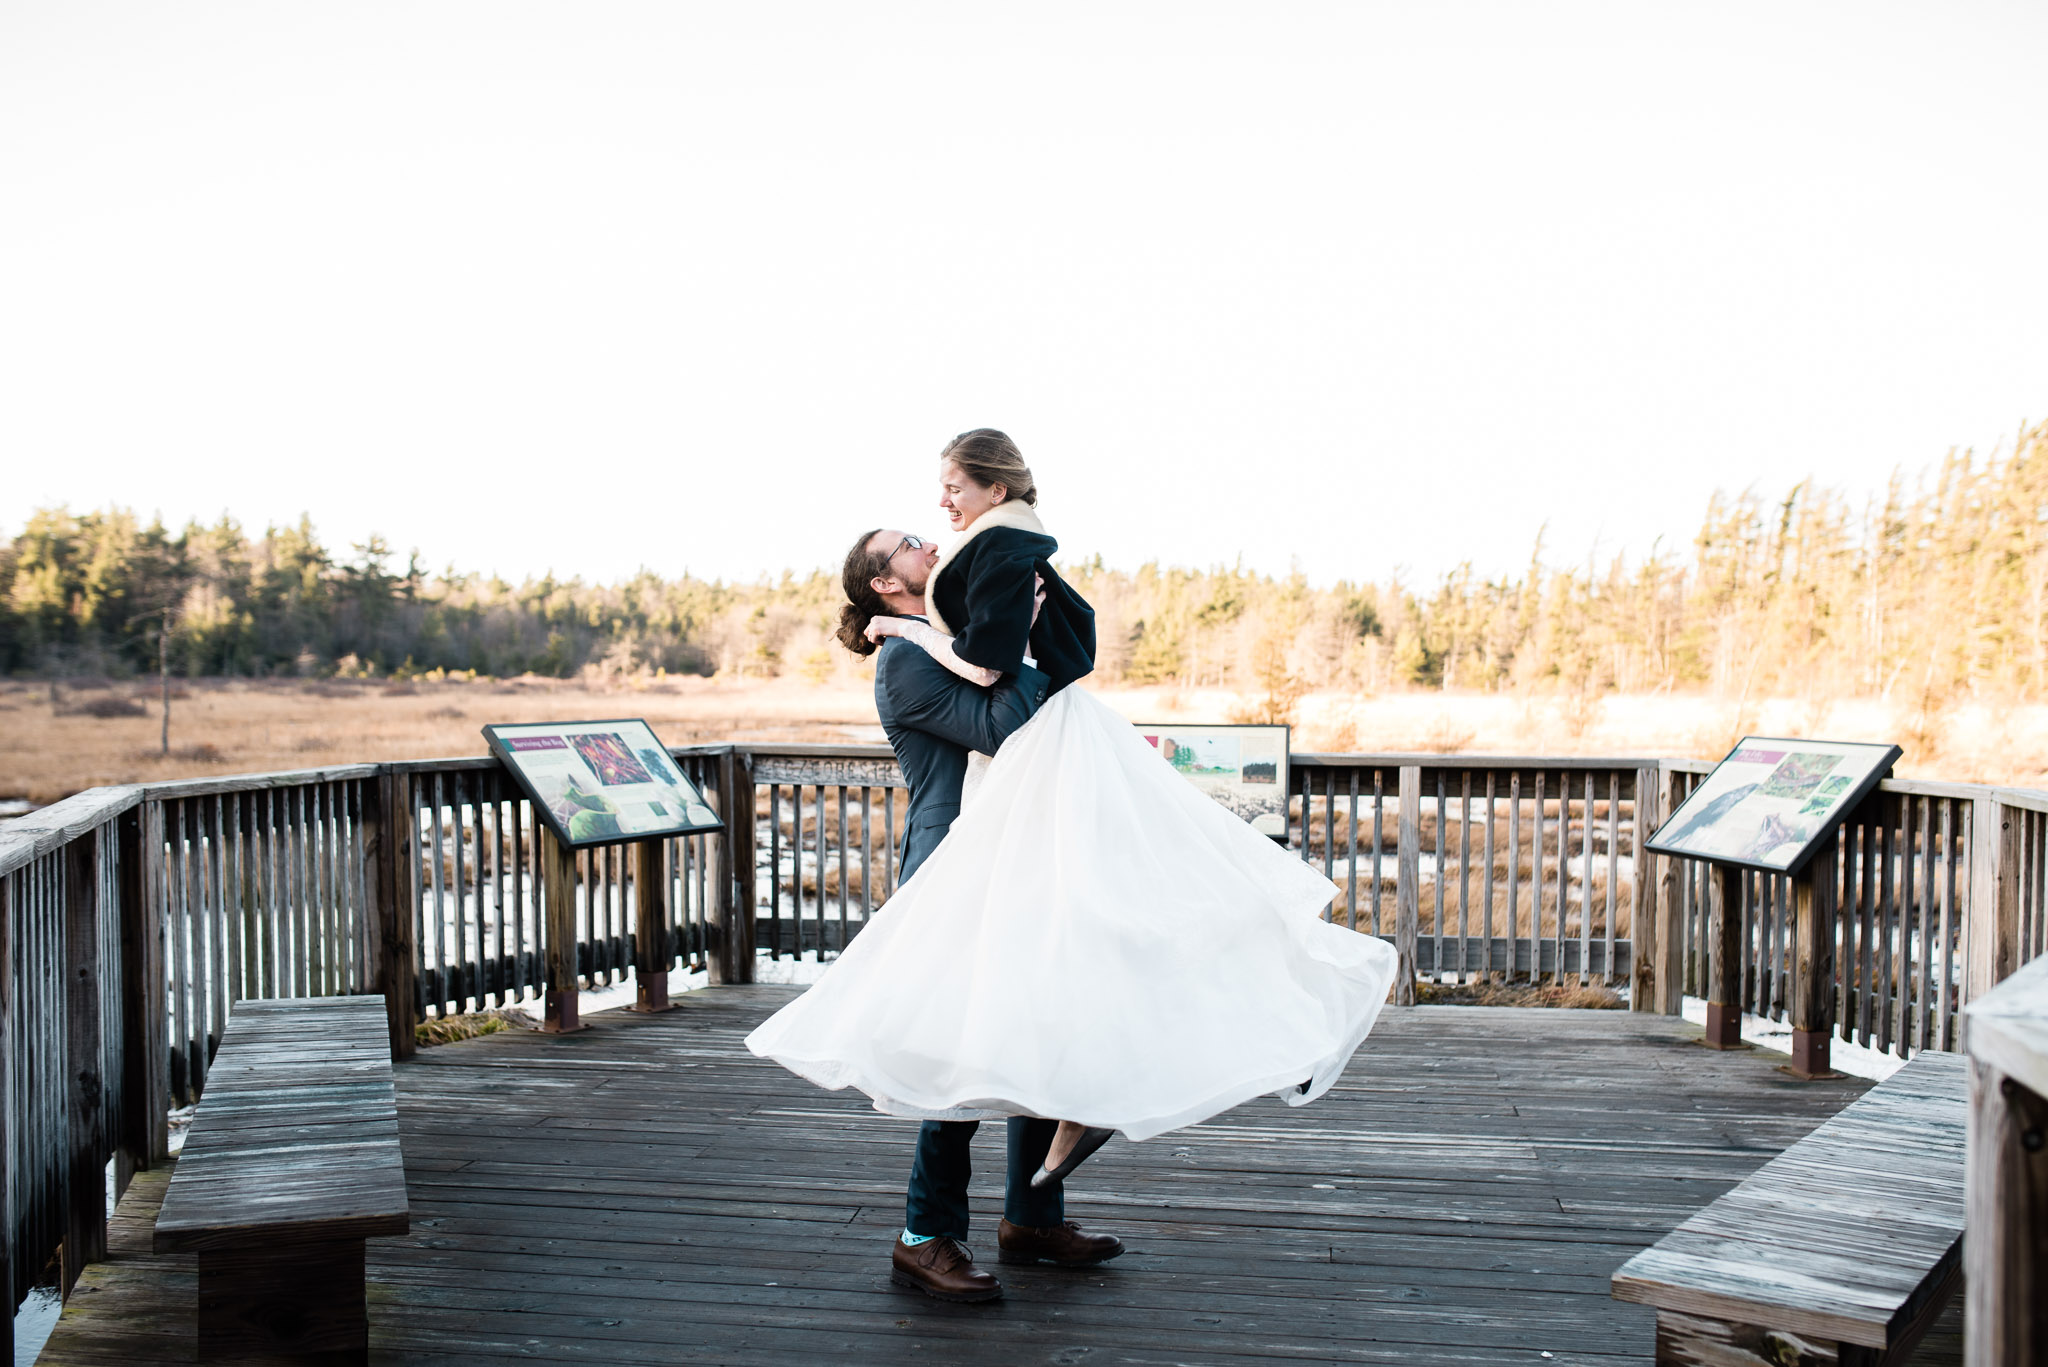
787, 969
1853, 1059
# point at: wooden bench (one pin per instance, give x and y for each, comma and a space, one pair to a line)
1842, 1249
292, 1162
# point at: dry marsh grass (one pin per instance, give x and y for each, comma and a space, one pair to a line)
471, 1025
233, 726
1981, 740
1534, 910
82, 734
1567, 995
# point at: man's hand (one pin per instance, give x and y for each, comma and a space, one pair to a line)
1038, 601
887, 626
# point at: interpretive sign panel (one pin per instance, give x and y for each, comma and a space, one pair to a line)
601, 782
1771, 803
1242, 767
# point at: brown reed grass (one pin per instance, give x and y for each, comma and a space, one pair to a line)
1564, 995
232, 726
471, 1025
52, 744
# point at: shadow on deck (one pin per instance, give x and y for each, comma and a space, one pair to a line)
647, 1192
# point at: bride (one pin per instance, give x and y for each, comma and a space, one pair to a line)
1118, 951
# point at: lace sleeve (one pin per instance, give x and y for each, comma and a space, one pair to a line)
939, 646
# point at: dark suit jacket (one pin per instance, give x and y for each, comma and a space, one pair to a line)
985, 595
933, 717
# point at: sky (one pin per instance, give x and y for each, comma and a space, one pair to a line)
1360, 289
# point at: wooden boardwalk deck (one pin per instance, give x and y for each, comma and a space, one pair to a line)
648, 1192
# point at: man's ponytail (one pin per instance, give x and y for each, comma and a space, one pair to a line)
863, 604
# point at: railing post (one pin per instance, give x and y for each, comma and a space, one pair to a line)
10, 1212
651, 952
1407, 881
145, 1098
1656, 944
2005, 1252
84, 1167
151, 928
388, 852
558, 898
1813, 962
1724, 949
731, 957
1671, 928
1993, 930
740, 831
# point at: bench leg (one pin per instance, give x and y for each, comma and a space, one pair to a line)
283, 1300
1695, 1341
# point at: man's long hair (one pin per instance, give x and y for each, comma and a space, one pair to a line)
863, 604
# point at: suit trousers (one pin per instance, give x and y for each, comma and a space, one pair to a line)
938, 1178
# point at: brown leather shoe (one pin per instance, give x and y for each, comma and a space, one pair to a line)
943, 1269
1063, 1244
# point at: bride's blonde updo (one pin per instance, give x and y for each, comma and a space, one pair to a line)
989, 457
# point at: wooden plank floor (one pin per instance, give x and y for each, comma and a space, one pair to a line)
648, 1192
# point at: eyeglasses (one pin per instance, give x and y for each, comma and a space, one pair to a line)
910, 543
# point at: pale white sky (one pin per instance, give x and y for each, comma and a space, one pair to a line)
588, 286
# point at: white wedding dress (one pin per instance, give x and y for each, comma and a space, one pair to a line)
1094, 940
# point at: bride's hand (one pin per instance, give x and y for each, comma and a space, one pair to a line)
884, 626
1038, 601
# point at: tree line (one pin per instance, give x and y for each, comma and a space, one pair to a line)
1934, 588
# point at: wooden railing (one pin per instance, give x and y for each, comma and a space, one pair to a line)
263, 892
1508, 868
1935, 892
73, 1030
482, 938
2005, 1251
132, 919
827, 845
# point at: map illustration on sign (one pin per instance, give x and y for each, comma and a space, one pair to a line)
1242, 767
1771, 802
599, 782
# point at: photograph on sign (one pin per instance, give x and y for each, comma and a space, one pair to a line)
1771, 802
598, 782
1242, 767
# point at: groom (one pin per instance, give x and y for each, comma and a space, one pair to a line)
933, 719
